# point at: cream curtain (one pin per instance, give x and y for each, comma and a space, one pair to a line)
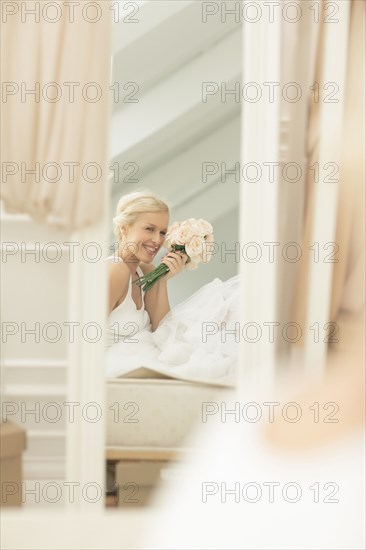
54, 142
302, 281
348, 288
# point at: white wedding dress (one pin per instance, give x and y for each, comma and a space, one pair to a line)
189, 343
237, 491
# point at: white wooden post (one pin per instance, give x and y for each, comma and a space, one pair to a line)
258, 201
85, 461
326, 192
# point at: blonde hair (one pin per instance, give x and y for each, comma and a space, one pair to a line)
130, 206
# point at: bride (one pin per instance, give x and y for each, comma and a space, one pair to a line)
184, 342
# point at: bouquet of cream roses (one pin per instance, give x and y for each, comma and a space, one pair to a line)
191, 237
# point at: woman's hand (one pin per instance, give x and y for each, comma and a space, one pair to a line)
175, 261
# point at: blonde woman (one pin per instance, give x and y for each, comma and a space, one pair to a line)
142, 331
140, 227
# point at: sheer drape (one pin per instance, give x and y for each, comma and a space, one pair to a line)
348, 295
54, 141
348, 290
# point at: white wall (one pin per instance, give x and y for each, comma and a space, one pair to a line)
35, 290
171, 132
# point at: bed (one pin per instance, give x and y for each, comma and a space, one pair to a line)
149, 417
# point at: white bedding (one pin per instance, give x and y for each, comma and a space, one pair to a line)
197, 341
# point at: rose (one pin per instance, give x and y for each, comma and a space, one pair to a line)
184, 234
199, 227
173, 227
181, 233
193, 234
206, 226
178, 233
169, 237
194, 247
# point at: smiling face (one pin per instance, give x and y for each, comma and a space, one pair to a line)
142, 239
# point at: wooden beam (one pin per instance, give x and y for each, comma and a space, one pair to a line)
120, 453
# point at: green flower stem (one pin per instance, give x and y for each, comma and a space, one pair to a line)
148, 281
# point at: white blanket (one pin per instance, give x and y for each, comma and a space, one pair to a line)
190, 342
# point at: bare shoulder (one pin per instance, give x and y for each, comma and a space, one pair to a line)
146, 268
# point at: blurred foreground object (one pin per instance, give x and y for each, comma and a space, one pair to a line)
12, 445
